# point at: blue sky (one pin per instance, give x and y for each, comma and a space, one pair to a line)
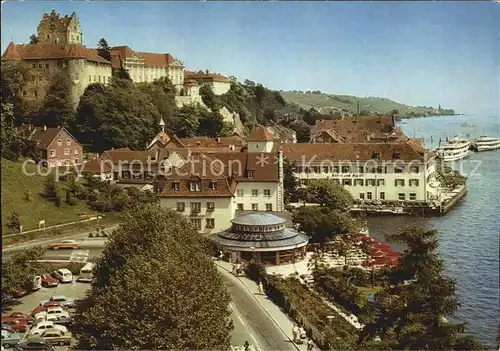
418, 53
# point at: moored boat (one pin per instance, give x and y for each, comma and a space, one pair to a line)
485, 143
454, 149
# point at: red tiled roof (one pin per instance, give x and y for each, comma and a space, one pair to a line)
97, 165
349, 152
204, 76
150, 58
45, 137
264, 165
213, 142
117, 156
260, 133
51, 51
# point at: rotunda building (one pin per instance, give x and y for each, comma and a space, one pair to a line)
263, 237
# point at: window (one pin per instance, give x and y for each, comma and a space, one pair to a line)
375, 155
240, 207
346, 169
181, 206
401, 196
59, 142
99, 79
95, 78
240, 192
399, 182
25, 93
213, 185
47, 66
255, 207
175, 186
196, 222
380, 182
77, 76
68, 142
414, 169
269, 207
362, 196
90, 78
381, 169
325, 169
210, 206
358, 182
250, 174
399, 169
255, 192
413, 196
66, 151
370, 182
382, 195
77, 152
40, 65
396, 155
77, 160
346, 182
52, 153
194, 186
33, 65
336, 169
210, 223
361, 169
195, 207
413, 182
267, 192
369, 195
40, 78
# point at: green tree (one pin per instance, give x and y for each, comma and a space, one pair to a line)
328, 193
50, 191
323, 223
302, 131
183, 305
12, 143
15, 76
103, 49
28, 196
121, 74
18, 269
15, 220
57, 108
209, 98
418, 299
212, 124
290, 182
249, 82
33, 39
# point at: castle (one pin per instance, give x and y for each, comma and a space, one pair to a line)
60, 46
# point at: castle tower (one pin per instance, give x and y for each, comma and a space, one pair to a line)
54, 29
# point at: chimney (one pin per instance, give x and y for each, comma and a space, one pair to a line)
44, 128
206, 72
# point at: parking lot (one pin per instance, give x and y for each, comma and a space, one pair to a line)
75, 291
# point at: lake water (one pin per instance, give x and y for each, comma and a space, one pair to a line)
469, 234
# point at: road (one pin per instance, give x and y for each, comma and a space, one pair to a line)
251, 322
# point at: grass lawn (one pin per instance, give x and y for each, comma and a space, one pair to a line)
14, 185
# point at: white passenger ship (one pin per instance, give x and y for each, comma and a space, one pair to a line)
484, 143
454, 149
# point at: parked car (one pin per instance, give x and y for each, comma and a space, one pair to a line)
61, 320
63, 275
56, 337
47, 304
20, 315
7, 327
63, 300
65, 244
19, 293
19, 325
49, 281
52, 311
40, 327
35, 343
10, 339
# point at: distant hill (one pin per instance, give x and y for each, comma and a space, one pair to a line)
329, 103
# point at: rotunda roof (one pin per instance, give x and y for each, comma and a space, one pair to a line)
258, 219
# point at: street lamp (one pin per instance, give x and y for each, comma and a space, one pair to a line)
254, 256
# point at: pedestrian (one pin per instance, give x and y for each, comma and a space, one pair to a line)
295, 332
261, 288
221, 255
247, 346
303, 334
310, 345
238, 267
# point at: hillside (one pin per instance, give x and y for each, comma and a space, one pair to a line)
14, 185
326, 103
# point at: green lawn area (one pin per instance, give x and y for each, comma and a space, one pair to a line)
366, 291
14, 185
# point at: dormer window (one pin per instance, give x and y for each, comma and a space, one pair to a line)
213, 185
396, 155
375, 155
250, 174
194, 186
175, 186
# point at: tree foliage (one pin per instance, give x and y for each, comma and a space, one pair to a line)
412, 309
209, 98
12, 143
328, 193
290, 182
302, 131
182, 304
33, 39
57, 107
103, 49
18, 270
